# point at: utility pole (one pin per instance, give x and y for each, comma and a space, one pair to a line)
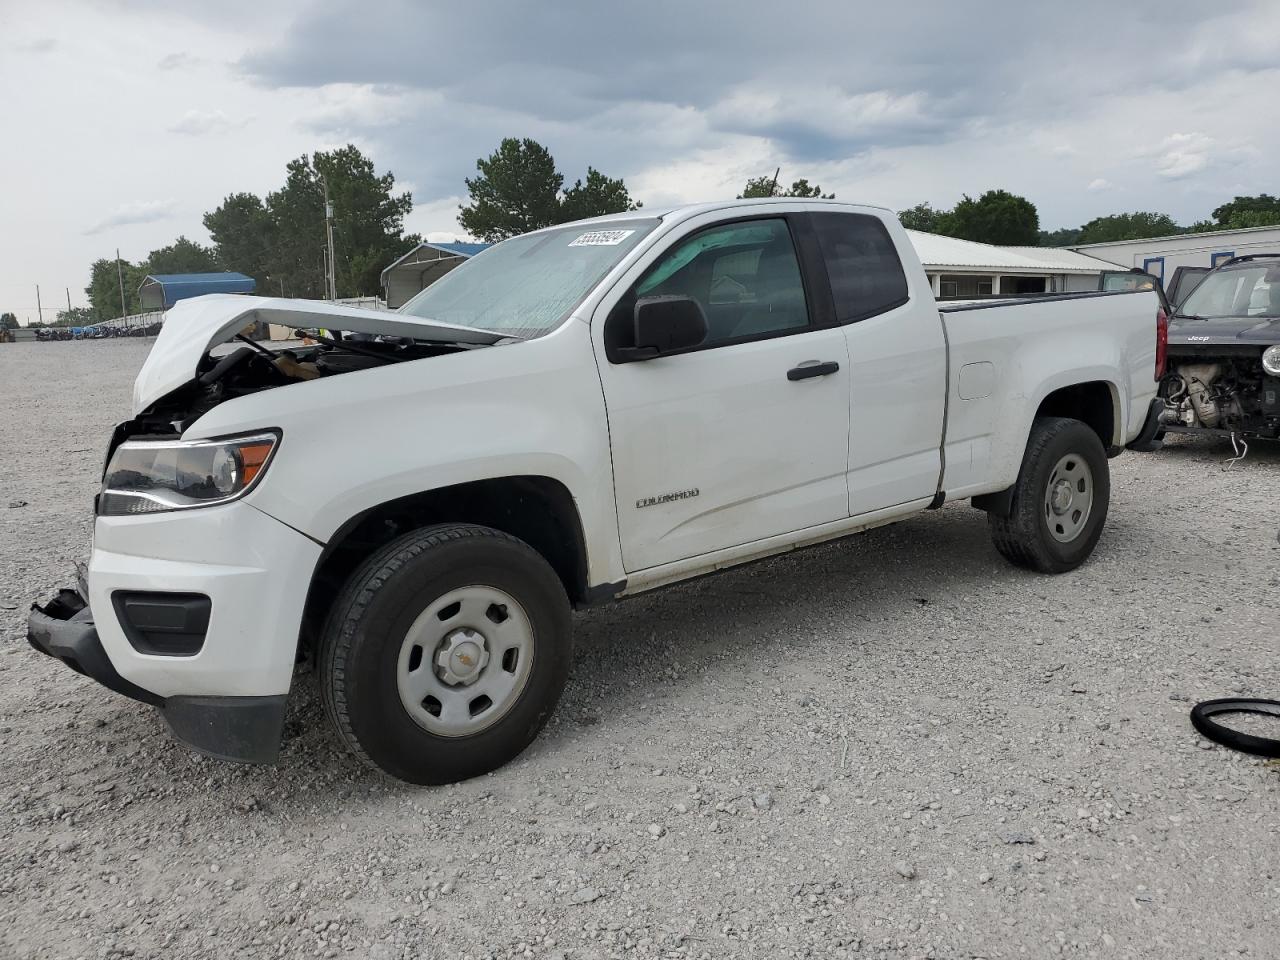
68, 299
39, 309
124, 311
773, 190
328, 230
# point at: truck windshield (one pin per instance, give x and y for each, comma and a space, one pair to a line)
1246, 291
528, 285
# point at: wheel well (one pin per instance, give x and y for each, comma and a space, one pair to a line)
538, 510
1090, 403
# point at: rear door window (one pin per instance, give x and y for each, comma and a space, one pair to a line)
862, 263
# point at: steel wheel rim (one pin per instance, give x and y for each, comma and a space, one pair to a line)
465, 661
1068, 498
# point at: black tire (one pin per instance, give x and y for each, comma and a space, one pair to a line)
365, 630
1024, 538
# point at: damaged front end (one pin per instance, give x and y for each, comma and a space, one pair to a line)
1224, 353
1223, 390
203, 356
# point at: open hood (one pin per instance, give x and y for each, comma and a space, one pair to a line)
195, 325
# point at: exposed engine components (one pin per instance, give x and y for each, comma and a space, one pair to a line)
1197, 380
1229, 395
288, 364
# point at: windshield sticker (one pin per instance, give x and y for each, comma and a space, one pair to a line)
601, 238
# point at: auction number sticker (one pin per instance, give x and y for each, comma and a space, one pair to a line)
601, 238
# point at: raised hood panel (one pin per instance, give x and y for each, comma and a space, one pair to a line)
195, 325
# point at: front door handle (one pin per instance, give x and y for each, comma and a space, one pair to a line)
812, 368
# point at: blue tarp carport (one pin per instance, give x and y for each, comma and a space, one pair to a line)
422, 266
162, 290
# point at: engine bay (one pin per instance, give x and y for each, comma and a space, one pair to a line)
252, 367
1223, 392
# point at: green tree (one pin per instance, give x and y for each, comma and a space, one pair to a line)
996, 217
104, 288
758, 187
925, 218
1062, 237
1251, 218
599, 196
1242, 212
517, 190
368, 224
182, 256
242, 232
8, 321
368, 219
1128, 226
75, 317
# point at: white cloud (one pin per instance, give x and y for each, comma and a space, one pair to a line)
1182, 154
37, 45
737, 91
197, 122
177, 60
127, 214
341, 108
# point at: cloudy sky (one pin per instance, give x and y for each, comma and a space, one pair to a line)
122, 121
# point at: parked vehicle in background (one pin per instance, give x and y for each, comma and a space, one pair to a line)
1184, 280
1224, 352
574, 415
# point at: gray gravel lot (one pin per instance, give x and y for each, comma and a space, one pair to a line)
896, 746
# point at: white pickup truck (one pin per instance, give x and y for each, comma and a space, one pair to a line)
416, 501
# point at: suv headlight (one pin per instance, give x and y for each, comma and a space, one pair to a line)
1271, 360
152, 476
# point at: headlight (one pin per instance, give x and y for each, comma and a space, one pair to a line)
1271, 360
154, 476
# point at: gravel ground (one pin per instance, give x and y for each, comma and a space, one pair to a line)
896, 746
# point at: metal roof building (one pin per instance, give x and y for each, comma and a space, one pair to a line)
161, 291
961, 269
422, 266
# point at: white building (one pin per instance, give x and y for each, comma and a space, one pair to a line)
963, 269
1161, 256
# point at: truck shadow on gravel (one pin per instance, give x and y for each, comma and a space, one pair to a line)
838, 595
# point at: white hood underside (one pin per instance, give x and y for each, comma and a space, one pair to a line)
195, 325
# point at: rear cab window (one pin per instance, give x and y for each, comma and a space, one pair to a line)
863, 266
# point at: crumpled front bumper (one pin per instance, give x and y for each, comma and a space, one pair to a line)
245, 729
63, 629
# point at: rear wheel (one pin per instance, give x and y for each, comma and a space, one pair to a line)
445, 653
1059, 501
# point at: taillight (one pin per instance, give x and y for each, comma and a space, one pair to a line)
1162, 343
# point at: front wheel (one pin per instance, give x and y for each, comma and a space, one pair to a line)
1059, 501
445, 653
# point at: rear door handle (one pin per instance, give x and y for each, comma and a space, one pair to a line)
812, 368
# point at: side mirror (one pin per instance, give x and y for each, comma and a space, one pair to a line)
666, 324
